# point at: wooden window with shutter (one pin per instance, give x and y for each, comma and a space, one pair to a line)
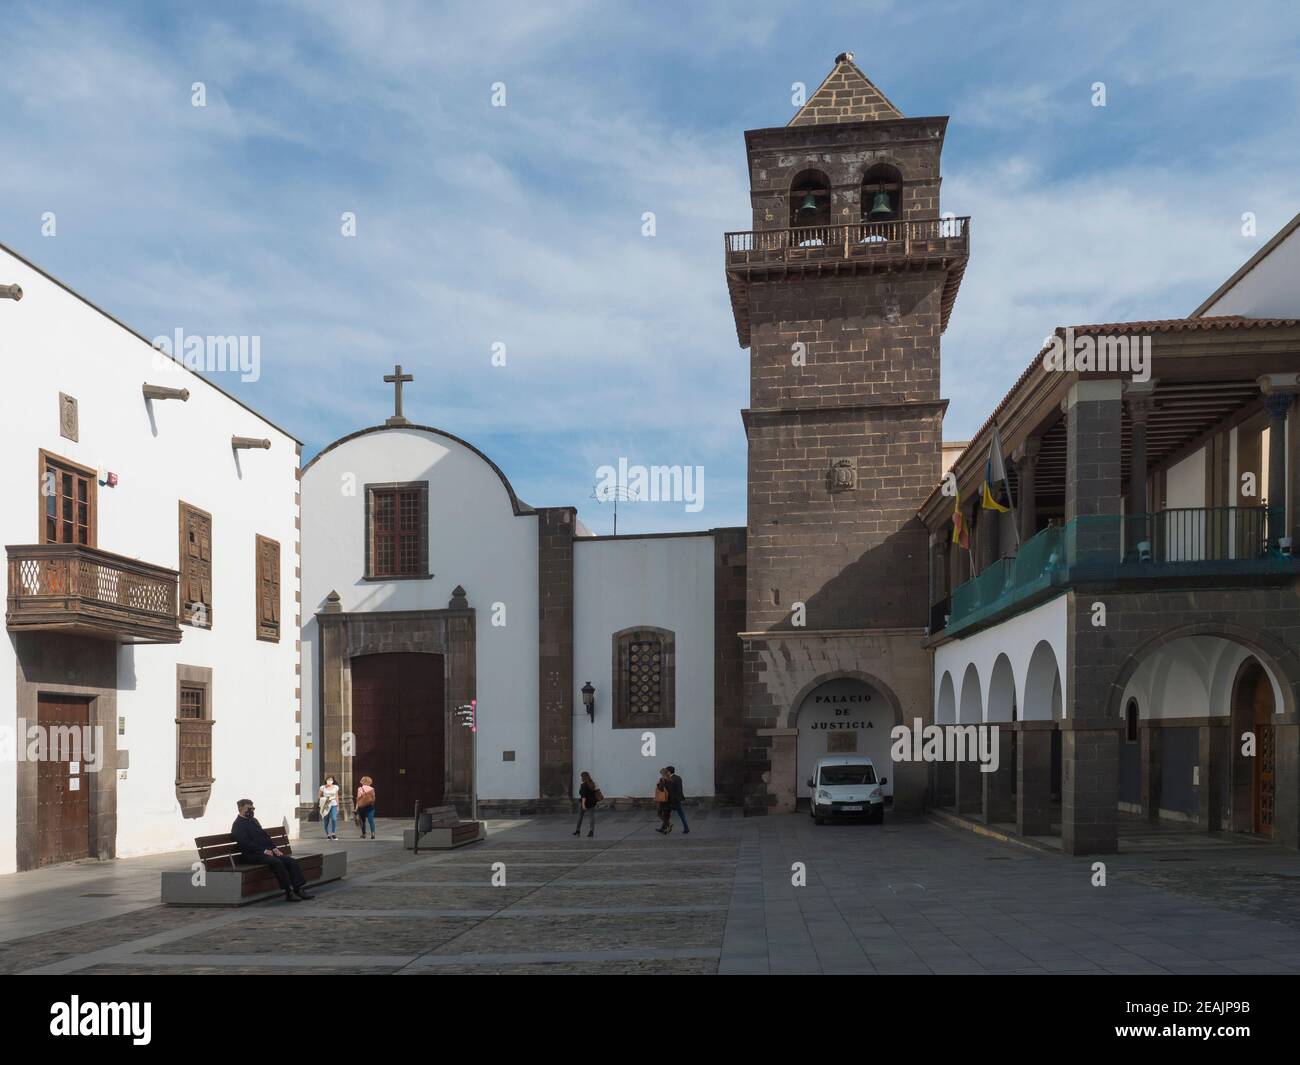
268, 589
194, 775
196, 567
67, 498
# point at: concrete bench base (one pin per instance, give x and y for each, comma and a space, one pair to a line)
445, 838
224, 887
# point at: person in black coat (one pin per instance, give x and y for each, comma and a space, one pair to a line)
676, 796
588, 796
256, 846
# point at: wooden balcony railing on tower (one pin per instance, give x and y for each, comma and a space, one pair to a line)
83, 590
858, 242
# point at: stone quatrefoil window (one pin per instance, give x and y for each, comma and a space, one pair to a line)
644, 678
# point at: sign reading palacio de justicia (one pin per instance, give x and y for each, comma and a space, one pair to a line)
844, 706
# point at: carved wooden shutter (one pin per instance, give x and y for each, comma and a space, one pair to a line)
196, 566
268, 589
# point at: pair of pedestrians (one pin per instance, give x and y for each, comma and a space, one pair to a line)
669, 796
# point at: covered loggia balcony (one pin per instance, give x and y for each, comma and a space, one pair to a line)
1187, 476
1174, 543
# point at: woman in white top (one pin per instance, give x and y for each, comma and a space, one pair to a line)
328, 799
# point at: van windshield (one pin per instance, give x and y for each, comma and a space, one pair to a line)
839, 775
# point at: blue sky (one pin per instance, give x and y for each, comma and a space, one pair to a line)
522, 225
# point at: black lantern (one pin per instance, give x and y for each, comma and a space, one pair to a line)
589, 700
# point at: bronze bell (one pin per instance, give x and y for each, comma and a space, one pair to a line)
809, 204
880, 206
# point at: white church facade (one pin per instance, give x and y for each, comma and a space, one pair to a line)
429, 583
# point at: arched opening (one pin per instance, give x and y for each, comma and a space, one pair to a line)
882, 194
1043, 702
970, 710
944, 774
1043, 685
945, 710
1254, 776
844, 716
810, 200
1002, 692
1206, 710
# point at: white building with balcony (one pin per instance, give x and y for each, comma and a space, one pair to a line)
151, 615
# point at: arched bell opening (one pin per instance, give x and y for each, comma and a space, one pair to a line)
882, 194
810, 200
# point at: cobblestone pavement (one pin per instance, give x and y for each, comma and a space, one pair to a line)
912, 896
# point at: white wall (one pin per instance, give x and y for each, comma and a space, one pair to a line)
666, 582
1185, 482
52, 342
1270, 289
475, 540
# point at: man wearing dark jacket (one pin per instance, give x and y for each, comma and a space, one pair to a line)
676, 795
256, 846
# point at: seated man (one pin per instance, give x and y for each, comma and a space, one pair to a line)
256, 846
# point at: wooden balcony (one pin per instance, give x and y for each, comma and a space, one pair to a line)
864, 247
83, 590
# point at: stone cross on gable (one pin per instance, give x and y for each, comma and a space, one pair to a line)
396, 378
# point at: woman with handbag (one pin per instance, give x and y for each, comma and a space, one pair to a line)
664, 804
366, 806
328, 799
588, 796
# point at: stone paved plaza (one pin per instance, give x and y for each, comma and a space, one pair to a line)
913, 896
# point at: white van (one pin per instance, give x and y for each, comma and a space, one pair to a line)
846, 786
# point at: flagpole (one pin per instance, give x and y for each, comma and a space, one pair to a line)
996, 444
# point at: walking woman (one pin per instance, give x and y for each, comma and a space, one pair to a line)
588, 796
664, 803
328, 799
366, 806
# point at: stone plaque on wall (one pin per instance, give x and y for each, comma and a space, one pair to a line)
67, 416
842, 743
843, 475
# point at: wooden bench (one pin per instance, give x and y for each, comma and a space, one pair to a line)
441, 829
228, 880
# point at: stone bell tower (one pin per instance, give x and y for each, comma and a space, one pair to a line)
841, 292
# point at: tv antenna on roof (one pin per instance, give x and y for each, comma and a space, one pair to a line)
612, 493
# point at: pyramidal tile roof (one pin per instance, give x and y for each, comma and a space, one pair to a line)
847, 95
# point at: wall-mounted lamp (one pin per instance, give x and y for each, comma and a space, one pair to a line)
589, 700
11, 292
